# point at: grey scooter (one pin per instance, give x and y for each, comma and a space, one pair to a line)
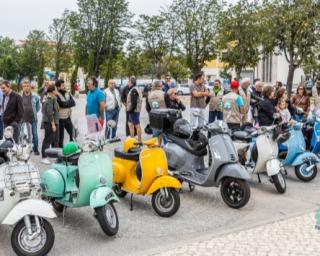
186, 161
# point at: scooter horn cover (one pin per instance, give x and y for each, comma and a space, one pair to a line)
70, 148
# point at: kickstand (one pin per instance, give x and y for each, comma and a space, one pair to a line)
285, 172
259, 178
180, 191
131, 203
63, 214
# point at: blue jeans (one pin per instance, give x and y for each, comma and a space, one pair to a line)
213, 115
112, 115
35, 140
1, 128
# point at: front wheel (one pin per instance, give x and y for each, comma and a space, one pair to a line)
279, 182
235, 192
166, 202
41, 244
108, 219
305, 175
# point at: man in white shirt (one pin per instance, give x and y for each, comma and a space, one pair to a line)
113, 105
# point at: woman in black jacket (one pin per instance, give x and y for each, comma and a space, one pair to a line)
267, 107
172, 100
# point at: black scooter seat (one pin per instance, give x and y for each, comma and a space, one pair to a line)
198, 149
241, 135
54, 152
131, 156
58, 153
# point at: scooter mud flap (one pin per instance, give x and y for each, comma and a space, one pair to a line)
102, 196
273, 167
164, 182
32, 207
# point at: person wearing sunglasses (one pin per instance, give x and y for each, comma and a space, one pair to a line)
301, 103
172, 101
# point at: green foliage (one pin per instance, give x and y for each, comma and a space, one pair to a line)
193, 25
239, 37
8, 59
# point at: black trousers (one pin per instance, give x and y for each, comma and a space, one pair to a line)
50, 138
65, 124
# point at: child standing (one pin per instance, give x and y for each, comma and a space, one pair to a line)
284, 111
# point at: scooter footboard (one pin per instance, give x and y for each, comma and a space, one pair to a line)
102, 196
33, 207
234, 171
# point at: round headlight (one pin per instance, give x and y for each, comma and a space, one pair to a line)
8, 132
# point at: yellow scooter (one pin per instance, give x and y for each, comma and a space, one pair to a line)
144, 171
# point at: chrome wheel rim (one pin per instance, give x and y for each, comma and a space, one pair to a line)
34, 245
163, 203
111, 216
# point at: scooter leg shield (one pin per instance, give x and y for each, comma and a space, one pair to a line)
305, 157
164, 182
102, 196
273, 167
234, 171
29, 207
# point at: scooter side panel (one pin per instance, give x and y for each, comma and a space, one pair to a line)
296, 145
52, 184
300, 159
95, 170
233, 170
29, 207
315, 140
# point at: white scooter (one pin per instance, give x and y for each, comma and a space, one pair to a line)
258, 152
20, 203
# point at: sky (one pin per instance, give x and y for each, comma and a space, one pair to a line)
18, 17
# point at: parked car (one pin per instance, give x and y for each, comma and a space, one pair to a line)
183, 89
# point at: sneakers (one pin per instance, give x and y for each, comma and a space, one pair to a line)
36, 153
45, 161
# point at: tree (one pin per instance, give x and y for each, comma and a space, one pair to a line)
175, 66
153, 33
293, 30
33, 56
60, 39
195, 25
99, 33
8, 59
239, 37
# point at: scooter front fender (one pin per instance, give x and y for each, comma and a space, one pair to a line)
102, 196
33, 207
273, 167
234, 171
163, 182
305, 157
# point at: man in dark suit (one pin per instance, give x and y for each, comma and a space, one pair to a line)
12, 109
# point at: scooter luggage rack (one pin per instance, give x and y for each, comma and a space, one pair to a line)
22, 177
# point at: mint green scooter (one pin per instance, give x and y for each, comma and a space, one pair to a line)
82, 177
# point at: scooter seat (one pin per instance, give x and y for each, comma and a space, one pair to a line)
241, 135
58, 153
54, 152
198, 148
134, 156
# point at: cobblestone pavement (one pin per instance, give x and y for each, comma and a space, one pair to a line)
295, 236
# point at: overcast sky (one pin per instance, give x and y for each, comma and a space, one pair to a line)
18, 17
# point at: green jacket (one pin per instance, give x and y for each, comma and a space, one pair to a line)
50, 110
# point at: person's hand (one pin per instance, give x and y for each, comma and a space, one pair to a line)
54, 127
101, 121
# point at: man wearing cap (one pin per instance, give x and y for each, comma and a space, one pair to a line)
12, 109
199, 93
233, 107
244, 92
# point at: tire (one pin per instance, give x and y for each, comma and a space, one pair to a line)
166, 208
303, 175
279, 183
18, 239
118, 191
108, 219
235, 192
58, 207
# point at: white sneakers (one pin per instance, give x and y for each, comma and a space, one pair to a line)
45, 161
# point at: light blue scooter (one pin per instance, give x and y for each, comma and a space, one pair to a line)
294, 155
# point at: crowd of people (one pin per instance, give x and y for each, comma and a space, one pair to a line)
243, 103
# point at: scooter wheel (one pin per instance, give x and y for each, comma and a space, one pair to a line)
303, 174
279, 183
108, 219
235, 192
40, 245
166, 206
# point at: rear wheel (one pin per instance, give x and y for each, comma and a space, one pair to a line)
108, 219
279, 182
41, 244
235, 192
118, 191
303, 174
166, 202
